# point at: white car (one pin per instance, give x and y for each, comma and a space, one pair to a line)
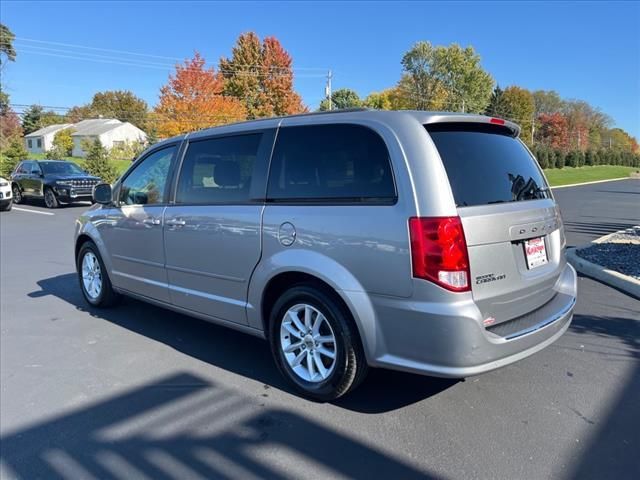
5, 195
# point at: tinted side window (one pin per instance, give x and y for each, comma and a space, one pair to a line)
218, 170
485, 164
330, 163
145, 185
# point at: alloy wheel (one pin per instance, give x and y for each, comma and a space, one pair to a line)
17, 195
91, 275
49, 198
308, 343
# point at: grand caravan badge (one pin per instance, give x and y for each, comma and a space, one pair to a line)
490, 277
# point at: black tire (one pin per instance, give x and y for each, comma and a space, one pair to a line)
351, 365
17, 193
50, 199
108, 296
7, 207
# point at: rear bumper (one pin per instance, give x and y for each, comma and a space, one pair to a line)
449, 340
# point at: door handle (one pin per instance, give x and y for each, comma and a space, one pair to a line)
151, 221
175, 222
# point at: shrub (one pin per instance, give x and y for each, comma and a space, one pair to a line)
97, 163
10, 156
559, 158
63, 142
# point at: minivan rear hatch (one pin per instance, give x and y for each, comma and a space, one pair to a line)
510, 220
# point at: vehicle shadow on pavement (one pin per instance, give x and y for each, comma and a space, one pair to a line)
382, 391
183, 426
612, 451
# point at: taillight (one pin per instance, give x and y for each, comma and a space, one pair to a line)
439, 252
497, 121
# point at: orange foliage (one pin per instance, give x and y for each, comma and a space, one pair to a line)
280, 98
193, 100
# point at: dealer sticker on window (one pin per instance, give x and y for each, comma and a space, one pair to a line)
536, 252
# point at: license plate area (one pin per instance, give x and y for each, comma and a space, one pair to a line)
535, 252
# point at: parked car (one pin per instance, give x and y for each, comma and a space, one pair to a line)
53, 181
416, 241
5, 195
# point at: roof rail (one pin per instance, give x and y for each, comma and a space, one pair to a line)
326, 112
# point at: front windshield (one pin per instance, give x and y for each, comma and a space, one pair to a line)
61, 168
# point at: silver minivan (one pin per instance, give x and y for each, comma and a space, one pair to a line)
416, 241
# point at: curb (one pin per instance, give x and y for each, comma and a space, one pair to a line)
610, 277
592, 182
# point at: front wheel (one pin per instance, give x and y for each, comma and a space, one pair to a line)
94, 280
315, 343
50, 199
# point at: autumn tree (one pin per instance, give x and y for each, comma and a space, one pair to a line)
9, 126
519, 107
342, 98
547, 101
193, 99
379, 100
452, 73
260, 75
78, 113
553, 130
120, 104
278, 95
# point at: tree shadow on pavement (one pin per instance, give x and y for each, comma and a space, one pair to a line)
613, 449
184, 427
382, 390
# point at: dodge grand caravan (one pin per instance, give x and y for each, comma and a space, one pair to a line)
416, 241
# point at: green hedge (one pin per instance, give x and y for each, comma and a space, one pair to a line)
554, 158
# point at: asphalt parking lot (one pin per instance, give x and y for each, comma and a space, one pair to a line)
140, 392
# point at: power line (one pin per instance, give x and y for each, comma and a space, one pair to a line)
38, 48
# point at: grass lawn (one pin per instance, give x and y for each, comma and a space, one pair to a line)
121, 165
569, 175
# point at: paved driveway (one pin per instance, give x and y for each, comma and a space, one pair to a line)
139, 392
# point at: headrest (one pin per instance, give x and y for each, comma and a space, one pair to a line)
227, 174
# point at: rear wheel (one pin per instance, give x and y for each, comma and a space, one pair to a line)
50, 199
315, 343
94, 280
17, 194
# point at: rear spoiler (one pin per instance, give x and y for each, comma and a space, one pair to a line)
465, 118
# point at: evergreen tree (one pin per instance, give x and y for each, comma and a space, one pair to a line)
97, 163
31, 119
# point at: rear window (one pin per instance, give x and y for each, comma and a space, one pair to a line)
330, 163
486, 165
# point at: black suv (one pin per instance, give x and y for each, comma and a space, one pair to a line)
54, 181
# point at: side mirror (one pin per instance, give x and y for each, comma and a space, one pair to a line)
102, 194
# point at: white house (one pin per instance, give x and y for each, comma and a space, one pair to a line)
42, 140
110, 131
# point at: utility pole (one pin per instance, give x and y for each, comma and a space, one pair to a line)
327, 88
533, 127
463, 105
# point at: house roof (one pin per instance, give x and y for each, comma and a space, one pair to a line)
48, 130
96, 126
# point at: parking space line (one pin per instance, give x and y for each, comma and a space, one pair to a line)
32, 211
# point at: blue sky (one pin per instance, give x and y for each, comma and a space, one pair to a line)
589, 51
